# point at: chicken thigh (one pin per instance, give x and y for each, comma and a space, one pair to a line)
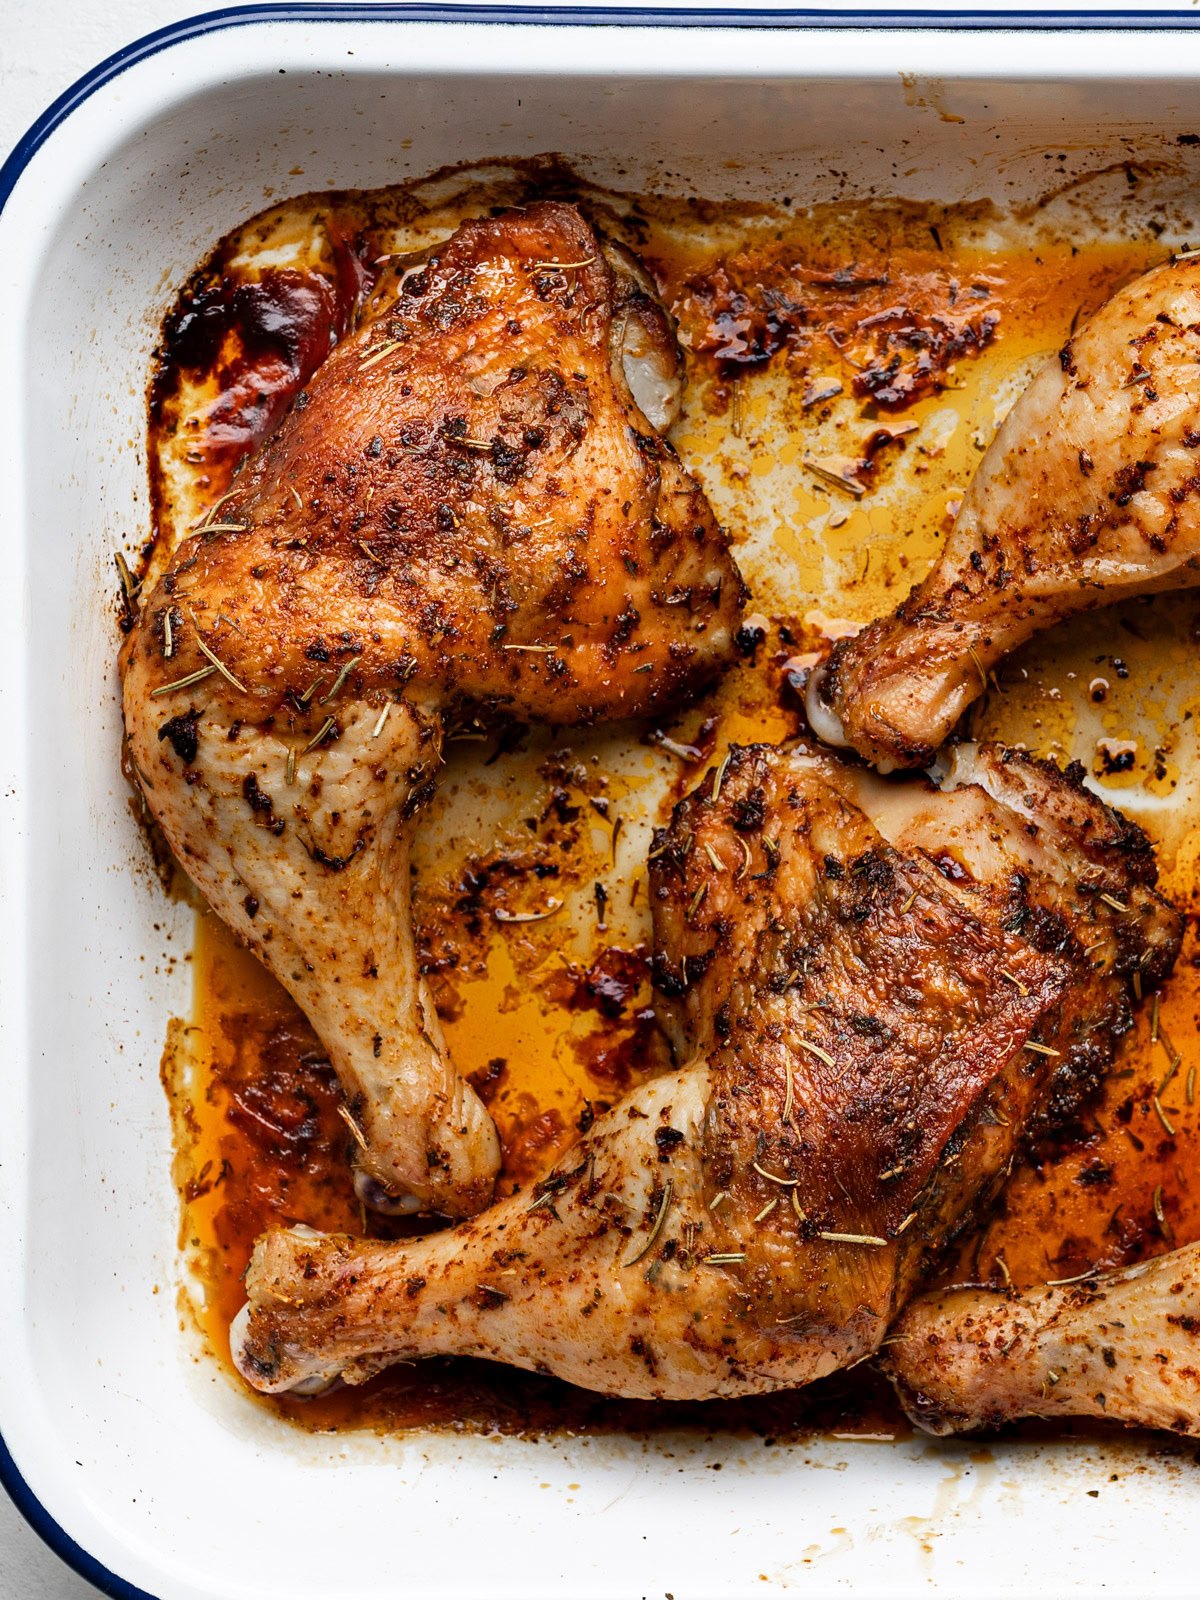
469, 513
1089, 493
873, 987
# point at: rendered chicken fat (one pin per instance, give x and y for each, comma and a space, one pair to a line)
785, 991
822, 718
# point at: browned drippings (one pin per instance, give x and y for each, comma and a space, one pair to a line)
891, 320
899, 322
248, 343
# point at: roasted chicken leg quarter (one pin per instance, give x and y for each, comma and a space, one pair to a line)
874, 987
1089, 493
469, 513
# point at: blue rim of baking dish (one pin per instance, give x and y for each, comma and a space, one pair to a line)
22, 1496
577, 16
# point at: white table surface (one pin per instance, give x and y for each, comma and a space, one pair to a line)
45, 45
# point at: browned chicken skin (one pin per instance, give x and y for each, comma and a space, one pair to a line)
873, 986
468, 513
1089, 493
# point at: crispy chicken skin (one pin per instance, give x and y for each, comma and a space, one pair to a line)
873, 986
1123, 1345
467, 514
1089, 493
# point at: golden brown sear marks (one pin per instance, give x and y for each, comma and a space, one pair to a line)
885, 1009
1098, 1200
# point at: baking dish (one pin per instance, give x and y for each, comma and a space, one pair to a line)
130, 1451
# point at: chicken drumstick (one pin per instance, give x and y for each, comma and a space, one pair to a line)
1121, 1345
1089, 493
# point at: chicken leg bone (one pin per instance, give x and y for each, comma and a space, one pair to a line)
1123, 1345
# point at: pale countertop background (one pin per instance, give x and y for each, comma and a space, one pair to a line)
45, 45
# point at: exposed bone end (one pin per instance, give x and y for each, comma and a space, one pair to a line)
652, 370
822, 718
245, 1358
269, 1368
261, 1369
375, 1197
896, 690
450, 1172
955, 767
271, 1338
650, 359
867, 696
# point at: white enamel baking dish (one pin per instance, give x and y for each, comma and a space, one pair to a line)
131, 1454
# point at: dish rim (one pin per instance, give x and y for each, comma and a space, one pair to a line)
811, 18
1057, 20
